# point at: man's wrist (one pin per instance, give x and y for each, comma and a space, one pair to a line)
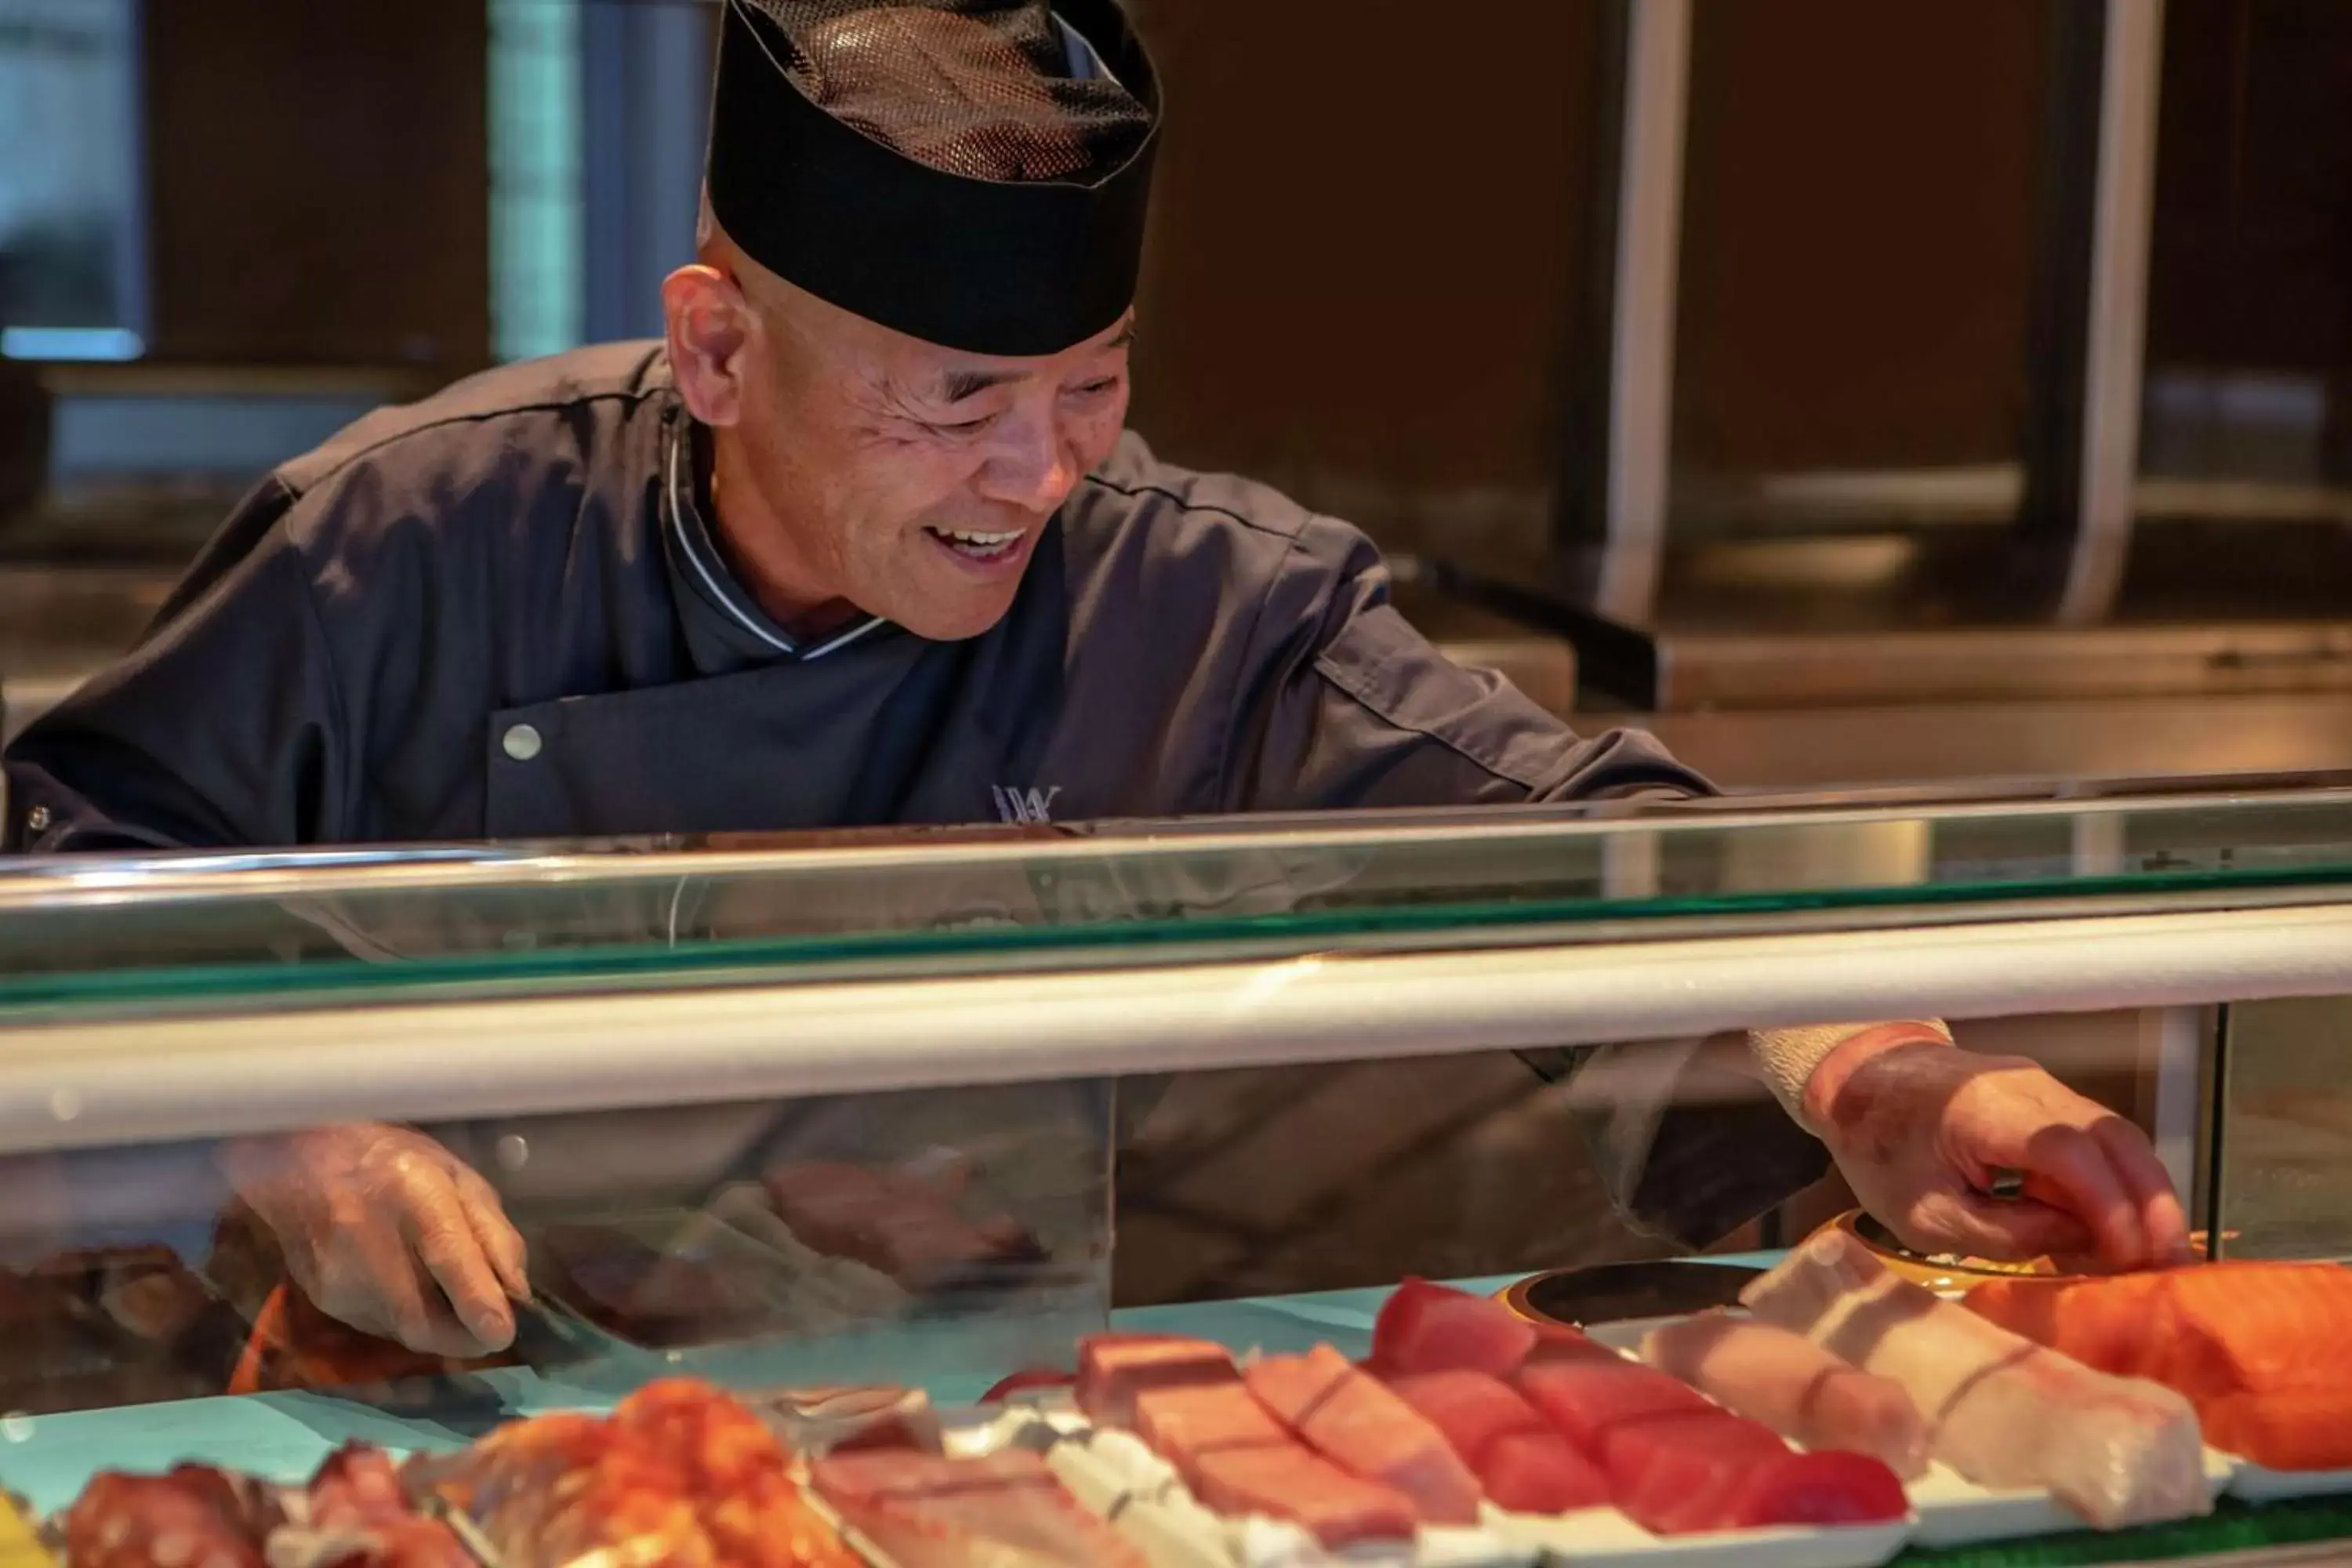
1838, 1065
1789, 1061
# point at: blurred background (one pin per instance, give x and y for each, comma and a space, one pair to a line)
1861, 393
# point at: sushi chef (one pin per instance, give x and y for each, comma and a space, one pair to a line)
863, 540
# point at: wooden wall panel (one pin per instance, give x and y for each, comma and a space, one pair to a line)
319, 179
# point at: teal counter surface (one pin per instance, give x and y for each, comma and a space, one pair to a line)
49, 1459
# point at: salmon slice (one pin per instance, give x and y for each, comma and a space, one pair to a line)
2260, 1348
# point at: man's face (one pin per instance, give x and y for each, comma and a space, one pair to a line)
858, 467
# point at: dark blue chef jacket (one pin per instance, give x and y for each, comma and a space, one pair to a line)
502, 614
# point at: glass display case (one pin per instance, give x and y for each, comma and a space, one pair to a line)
920, 1111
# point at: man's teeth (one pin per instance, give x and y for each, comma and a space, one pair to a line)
983, 540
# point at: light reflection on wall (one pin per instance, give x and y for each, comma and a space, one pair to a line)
536, 267
71, 253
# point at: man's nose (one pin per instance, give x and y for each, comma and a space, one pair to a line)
1035, 469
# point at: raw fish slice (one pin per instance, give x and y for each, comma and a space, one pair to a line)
1676, 1474
1585, 1398
1299, 1484
1007, 1508
1816, 1489
2003, 1412
1344, 1413
833, 1420
1182, 1424
1767, 1374
1113, 1369
2259, 1348
2285, 1429
1432, 1327
877, 1474
2254, 1345
1557, 1341
1471, 1408
1010, 1526
1539, 1472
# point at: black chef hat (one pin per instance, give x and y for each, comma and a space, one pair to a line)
972, 173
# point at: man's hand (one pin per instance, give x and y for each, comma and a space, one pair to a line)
1920, 1127
385, 1230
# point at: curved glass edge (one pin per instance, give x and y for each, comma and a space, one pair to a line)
100, 934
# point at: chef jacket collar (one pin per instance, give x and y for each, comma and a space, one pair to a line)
726, 629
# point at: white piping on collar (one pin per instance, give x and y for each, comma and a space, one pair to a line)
870, 624
679, 502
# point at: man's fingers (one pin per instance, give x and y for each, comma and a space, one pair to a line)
373, 1286
2068, 1168
2163, 1223
443, 1238
1975, 1226
501, 1242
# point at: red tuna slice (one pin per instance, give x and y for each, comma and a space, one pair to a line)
1295, 1483
1115, 1368
1677, 1474
1348, 1416
1585, 1398
1557, 1341
1182, 1424
1825, 1487
1432, 1327
1539, 1472
1471, 1408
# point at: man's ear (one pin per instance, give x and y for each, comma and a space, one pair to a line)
709, 329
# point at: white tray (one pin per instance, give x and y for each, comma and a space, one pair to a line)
1603, 1537
2260, 1483
1957, 1513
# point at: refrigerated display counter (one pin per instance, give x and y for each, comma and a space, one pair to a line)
867, 1111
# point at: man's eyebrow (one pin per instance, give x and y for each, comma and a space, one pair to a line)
955, 385
958, 385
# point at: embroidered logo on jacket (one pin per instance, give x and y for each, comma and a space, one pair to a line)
1025, 807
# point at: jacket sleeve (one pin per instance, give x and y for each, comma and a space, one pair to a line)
1347, 706
1344, 705
223, 728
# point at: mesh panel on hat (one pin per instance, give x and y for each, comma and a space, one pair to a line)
977, 88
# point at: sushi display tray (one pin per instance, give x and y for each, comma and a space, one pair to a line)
1956, 1512
1114, 1474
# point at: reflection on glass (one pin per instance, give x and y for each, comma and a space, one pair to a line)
2283, 1130
940, 1238
69, 233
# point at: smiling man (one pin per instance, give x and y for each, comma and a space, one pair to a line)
865, 541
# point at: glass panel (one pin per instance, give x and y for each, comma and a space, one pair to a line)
965, 1233
2283, 1160
931, 1238
71, 264
110, 933
1858, 262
